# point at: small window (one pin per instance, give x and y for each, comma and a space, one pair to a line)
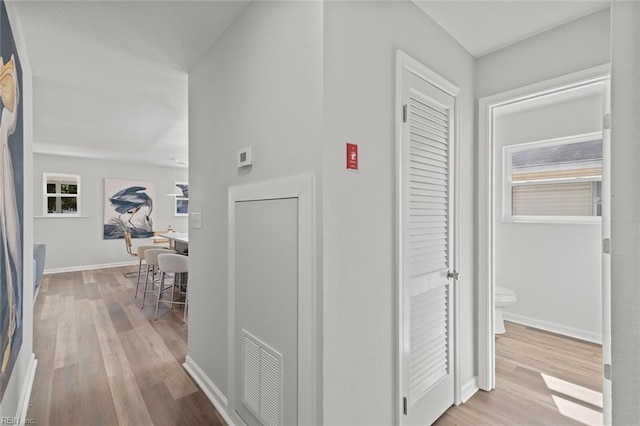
554, 181
61, 194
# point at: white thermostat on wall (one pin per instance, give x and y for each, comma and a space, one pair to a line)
244, 157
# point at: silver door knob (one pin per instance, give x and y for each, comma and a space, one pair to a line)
453, 275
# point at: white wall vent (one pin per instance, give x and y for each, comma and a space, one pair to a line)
262, 380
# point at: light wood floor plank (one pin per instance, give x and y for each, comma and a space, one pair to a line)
536, 373
67, 337
103, 361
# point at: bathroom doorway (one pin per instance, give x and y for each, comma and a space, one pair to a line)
534, 152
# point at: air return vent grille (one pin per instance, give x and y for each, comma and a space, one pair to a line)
261, 380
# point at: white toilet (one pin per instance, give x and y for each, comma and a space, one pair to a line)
502, 297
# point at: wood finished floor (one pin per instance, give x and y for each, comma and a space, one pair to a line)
541, 379
103, 361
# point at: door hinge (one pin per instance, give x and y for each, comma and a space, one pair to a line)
404, 113
606, 121
607, 371
404, 405
606, 245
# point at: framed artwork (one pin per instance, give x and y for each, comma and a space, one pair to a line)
128, 207
11, 202
182, 201
182, 206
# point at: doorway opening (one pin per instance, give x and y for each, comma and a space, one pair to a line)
516, 180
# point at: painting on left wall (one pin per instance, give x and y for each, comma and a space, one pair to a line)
11, 202
128, 207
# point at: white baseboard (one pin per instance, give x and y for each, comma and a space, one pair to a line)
89, 267
214, 394
23, 404
469, 389
554, 328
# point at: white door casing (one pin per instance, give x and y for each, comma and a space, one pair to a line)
606, 253
426, 246
301, 188
488, 107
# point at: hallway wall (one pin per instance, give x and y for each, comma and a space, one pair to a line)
360, 337
261, 86
577, 45
625, 231
570, 48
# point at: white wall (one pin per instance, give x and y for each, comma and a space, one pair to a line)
555, 269
625, 228
77, 243
260, 85
19, 385
360, 42
580, 44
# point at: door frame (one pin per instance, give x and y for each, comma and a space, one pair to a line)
404, 62
303, 188
487, 107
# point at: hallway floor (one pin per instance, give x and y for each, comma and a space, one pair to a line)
103, 361
541, 379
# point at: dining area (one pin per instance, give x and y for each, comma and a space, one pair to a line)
163, 270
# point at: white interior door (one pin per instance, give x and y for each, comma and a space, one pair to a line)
426, 250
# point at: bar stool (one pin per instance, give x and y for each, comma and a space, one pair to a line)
140, 253
151, 258
179, 266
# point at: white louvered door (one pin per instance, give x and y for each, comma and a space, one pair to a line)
426, 227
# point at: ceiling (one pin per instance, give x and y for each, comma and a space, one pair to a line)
111, 77
483, 27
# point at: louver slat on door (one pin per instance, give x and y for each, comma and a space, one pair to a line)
428, 227
428, 347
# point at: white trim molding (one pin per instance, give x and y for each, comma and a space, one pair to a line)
487, 109
404, 61
576, 333
309, 378
89, 267
469, 389
23, 403
209, 388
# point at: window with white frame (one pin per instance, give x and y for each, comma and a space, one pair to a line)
554, 180
61, 194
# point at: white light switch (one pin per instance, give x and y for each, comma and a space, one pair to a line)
195, 219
